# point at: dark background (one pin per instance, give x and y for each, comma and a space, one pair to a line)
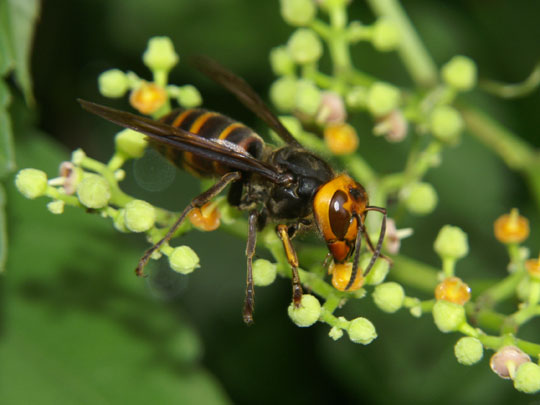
80, 327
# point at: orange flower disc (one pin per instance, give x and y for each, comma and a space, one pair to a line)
453, 289
341, 139
341, 274
148, 98
511, 228
205, 218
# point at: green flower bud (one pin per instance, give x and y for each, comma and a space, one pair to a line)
386, 36
307, 313
389, 297
188, 96
281, 61
283, 93
468, 350
361, 330
119, 220
131, 143
448, 316
304, 46
298, 12
451, 242
335, 333
113, 83
78, 156
377, 273
308, 97
527, 378
94, 191
382, 98
160, 54
264, 272
357, 97
446, 124
31, 183
421, 199
56, 207
183, 259
460, 73
139, 216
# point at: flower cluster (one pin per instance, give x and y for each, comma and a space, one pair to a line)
318, 109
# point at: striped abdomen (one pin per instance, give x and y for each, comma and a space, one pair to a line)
209, 125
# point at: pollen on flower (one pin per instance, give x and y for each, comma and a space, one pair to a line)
148, 98
453, 289
206, 218
511, 228
341, 139
341, 274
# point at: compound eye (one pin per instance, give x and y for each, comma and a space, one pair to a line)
340, 218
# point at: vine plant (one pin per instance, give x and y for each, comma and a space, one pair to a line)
322, 102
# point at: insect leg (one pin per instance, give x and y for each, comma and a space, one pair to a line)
372, 249
357, 246
283, 233
249, 302
197, 202
377, 251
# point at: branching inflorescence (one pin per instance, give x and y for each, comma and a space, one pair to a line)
322, 102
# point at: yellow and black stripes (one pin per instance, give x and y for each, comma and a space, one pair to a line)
209, 125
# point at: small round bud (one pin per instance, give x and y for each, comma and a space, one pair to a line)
453, 289
206, 218
264, 272
382, 98
448, 316
386, 36
183, 260
139, 216
393, 126
341, 275
56, 207
94, 191
31, 183
148, 98
78, 156
378, 272
357, 97
131, 143
527, 378
341, 139
332, 109
119, 221
468, 350
304, 46
188, 96
335, 333
511, 228
421, 199
113, 83
297, 12
451, 242
361, 330
507, 360
389, 297
307, 313
160, 54
281, 61
308, 97
460, 73
283, 93
446, 124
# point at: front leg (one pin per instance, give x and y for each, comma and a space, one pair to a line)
283, 233
249, 302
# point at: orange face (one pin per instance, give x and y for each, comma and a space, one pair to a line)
337, 205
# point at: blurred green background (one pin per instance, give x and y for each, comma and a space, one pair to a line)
79, 327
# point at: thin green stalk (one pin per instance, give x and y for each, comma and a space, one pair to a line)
411, 50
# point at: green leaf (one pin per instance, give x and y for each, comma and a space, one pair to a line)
3, 227
18, 18
79, 326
